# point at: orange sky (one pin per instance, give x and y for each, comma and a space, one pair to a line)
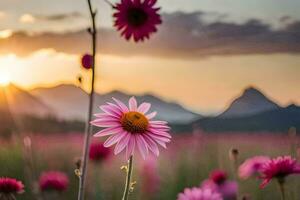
206, 85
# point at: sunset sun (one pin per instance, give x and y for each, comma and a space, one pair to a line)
4, 79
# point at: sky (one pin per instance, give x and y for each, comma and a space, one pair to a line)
204, 54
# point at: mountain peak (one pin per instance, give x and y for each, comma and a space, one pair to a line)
251, 90
251, 101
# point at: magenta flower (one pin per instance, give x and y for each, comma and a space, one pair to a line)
136, 18
252, 166
98, 152
131, 127
53, 181
199, 194
219, 183
279, 168
87, 61
10, 186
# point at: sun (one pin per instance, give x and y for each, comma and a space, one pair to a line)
4, 79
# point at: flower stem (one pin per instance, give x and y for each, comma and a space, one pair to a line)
281, 188
88, 127
128, 179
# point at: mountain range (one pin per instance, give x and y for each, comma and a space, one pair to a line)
250, 111
70, 102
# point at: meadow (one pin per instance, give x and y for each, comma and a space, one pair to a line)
186, 162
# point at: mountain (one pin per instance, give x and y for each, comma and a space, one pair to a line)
70, 102
252, 101
276, 120
16, 101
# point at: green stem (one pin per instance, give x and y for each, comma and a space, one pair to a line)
128, 179
282, 190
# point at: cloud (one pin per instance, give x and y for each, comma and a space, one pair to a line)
59, 17
31, 18
182, 35
5, 33
27, 19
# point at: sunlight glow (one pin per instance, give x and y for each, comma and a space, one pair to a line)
5, 33
4, 79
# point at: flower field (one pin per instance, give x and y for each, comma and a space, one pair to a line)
186, 163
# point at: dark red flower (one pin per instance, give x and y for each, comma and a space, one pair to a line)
279, 168
10, 186
136, 18
87, 61
98, 152
218, 176
53, 181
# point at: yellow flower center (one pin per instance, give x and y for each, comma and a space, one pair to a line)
134, 122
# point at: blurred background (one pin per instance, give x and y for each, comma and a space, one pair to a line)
224, 74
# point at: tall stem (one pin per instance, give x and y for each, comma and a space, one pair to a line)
128, 179
88, 128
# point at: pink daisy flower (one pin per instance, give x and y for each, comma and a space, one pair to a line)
136, 18
98, 152
218, 182
279, 168
252, 166
131, 127
10, 186
53, 181
199, 194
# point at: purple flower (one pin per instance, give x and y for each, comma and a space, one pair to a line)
87, 61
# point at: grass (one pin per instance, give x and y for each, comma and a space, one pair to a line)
186, 163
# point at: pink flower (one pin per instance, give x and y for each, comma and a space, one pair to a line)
10, 186
136, 18
53, 181
218, 182
87, 61
252, 166
131, 127
98, 152
199, 194
279, 168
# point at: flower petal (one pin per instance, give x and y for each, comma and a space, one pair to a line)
122, 144
142, 145
108, 131
121, 105
132, 104
130, 147
114, 139
144, 107
151, 115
